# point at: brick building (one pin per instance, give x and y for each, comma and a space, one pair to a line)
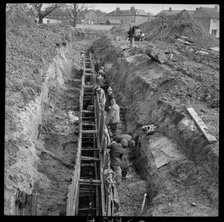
209, 19
59, 16
170, 11
137, 16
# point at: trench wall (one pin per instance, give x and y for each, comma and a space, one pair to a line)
141, 87
22, 146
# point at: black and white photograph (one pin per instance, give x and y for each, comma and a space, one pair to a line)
111, 110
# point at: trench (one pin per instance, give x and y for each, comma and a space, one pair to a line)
58, 135
186, 185
178, 180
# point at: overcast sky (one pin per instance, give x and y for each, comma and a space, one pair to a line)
153, 8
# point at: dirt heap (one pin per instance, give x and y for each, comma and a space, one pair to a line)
118, 31
160, 93
181, 24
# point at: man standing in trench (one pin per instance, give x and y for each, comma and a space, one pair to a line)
109, 97
113, 117
116, 153
125, 164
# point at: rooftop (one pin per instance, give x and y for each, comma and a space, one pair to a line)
132, 11
210, 12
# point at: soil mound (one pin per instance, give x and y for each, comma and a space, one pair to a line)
118, 31
177, 25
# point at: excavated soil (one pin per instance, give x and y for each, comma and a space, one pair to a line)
150, 92
42, 96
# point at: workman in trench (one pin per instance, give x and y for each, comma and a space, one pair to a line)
97, 66
113, 118
109, 97
128, 151
100, 79
116, 153
101, 97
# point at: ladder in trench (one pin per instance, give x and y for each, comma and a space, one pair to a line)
86, 193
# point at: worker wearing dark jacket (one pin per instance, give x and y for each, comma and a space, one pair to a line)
131, 32
116, 153
109, 96
97, 66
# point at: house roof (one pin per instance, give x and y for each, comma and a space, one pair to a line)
168, 12
114, 21
140, 12
127, 12
150, 14
210, 12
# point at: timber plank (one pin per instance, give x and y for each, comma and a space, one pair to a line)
202, 126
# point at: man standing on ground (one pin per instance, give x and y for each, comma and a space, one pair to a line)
116, 153
113, 117
131, 34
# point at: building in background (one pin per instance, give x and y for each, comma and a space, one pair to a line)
209, 19
137, 16
91, 17
58, 16
170, 11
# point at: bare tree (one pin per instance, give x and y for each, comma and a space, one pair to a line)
75, 10
46, 11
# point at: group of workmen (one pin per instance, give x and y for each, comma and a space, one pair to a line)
109, 107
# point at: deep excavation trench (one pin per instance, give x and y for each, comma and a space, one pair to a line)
50, 123
186, 183
58, 135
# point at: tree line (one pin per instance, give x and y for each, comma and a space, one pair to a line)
41, 10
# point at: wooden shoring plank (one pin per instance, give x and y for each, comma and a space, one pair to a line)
87, 164
88, 124
75, 199
97, 193
87, 209
88, 131
91, 98
90, 117
87, 158
202, 126
90, 149
77, 80
87, 111
89, 182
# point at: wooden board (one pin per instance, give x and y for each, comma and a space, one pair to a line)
202, 126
